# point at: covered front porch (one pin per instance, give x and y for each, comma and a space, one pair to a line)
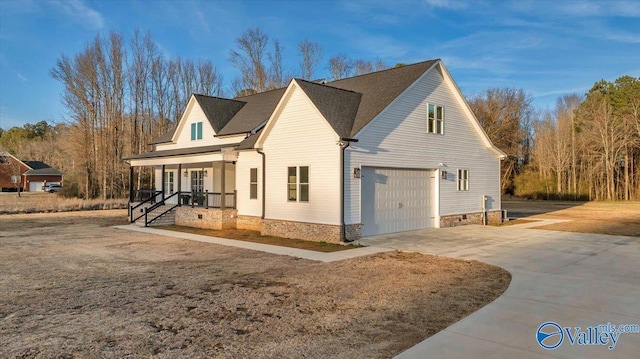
203, 181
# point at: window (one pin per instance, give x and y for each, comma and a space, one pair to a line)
168, 182
253, 183
463, 180
197, 181
298, 183
435, 119
196, 131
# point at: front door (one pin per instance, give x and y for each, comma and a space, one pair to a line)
197, 181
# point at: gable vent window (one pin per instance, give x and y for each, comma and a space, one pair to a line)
435, 119
463, 180
196, 131
298, 184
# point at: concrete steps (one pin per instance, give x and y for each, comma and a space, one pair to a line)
167, 219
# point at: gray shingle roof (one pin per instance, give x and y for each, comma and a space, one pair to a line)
337, 106
348, 104
39, 168
257, 110
378, 89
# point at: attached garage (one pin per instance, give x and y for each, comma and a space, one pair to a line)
35, 186
396, 200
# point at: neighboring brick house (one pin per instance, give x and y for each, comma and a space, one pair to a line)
29, 176
385, 152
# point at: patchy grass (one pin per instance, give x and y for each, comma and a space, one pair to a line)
616, 218
256, 237
72, 287
10, 203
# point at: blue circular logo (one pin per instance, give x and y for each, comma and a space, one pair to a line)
549, 335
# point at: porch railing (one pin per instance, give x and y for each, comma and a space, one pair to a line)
145, 197
208, 199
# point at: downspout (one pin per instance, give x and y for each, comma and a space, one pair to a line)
264, 176
344, 143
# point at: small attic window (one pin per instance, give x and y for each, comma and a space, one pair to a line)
196, 131
435, 119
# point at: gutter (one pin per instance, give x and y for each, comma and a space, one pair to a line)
343, 143
264, 176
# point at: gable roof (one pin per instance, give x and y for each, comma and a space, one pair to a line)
338, 106
347, 104
378, 89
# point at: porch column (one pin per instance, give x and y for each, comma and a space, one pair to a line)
163, 182
179, 183
130, 183
222, 185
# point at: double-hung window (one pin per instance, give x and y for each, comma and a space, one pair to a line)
463, 180
298, 184
253, 183
435, 119
196, 131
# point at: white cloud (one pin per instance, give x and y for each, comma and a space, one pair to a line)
446, 4
80, 13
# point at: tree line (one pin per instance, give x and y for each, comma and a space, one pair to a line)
121, 94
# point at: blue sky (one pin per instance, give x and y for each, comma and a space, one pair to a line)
547, 48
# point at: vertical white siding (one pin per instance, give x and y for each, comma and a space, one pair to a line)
300, 136
246, 161
398, 138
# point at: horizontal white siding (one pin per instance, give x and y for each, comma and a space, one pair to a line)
246, 161
194, 114
398, 138
300, 136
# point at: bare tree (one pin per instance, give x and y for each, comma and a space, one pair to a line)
249, 59
311, 55
340, 66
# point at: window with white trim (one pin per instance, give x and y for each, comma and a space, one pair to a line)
168, 182
435, 119
463, 180
196, 131
253, 183
298, 184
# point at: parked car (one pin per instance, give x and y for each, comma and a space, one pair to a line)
52, 187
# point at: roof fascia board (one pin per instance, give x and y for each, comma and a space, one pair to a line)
281, 104
187, 110
467, 109
16, 158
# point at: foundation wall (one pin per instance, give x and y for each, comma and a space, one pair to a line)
493, 217
211, 218
250, 223
300, 230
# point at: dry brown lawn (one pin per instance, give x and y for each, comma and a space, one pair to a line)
616, 218
256, 237
10, 203
72, 286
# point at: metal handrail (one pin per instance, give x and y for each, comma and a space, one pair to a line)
155, 206
131, 209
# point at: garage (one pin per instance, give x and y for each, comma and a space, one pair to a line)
36, 186
396, 200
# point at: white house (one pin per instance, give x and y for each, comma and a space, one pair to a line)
385, 152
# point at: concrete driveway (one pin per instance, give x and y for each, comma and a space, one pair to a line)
572, 279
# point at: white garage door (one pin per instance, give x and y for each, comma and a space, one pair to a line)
35, 186
395, 200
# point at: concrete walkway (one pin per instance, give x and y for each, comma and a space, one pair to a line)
285, 251
573, 279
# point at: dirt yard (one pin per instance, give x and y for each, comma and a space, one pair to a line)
617, 218
72, 286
